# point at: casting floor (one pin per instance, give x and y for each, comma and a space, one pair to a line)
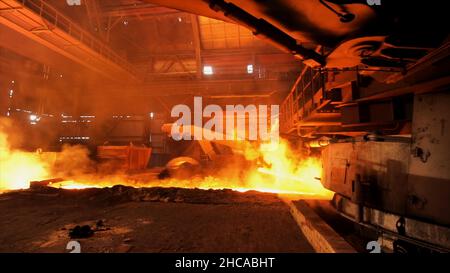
126, 219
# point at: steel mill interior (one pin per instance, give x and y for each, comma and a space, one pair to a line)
225, 126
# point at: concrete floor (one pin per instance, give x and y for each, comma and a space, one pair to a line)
148, 220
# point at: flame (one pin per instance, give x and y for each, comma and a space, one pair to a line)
18, 168
283, 171
288, 172
74, 185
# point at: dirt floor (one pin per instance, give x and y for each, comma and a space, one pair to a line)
125, 219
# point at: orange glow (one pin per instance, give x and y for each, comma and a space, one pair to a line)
287, 173
18, 168
73, 185
280, 171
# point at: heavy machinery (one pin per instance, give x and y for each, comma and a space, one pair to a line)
372, 98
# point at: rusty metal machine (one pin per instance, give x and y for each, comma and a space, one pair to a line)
372, 99
128, 158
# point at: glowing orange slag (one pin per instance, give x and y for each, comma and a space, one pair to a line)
283, 172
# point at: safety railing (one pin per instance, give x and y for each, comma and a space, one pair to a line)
60, 21
300, 102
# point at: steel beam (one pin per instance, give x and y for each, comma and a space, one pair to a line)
197, 44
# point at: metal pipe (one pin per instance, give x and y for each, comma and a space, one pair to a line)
357, 198
265, 30
318, 143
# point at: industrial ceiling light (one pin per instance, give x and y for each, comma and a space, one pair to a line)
207, 70
250, 69
34, 119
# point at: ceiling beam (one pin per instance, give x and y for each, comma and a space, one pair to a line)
235, 87
137, 10
94, 16
197, 44
257, 51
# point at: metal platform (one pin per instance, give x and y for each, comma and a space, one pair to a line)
35, 29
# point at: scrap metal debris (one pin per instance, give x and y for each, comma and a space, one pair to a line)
80, 232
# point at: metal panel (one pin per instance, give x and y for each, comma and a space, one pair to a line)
336, 168
379, 166
425, 234
129, 158
429, 171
